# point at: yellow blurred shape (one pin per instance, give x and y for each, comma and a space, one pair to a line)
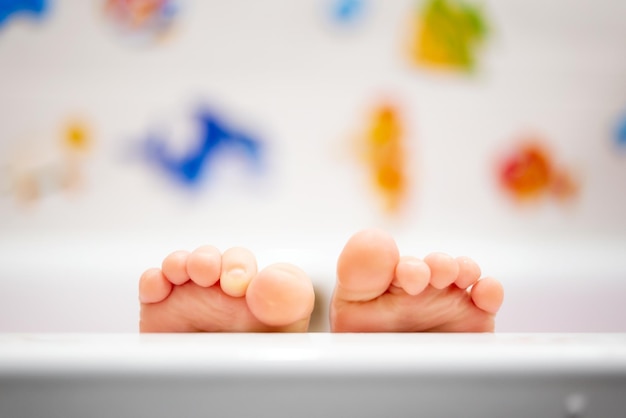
77, 136
446, 34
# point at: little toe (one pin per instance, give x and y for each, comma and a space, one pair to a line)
154, 286
488, 295
238, 268
444, 270
469, 272
174, 267
282, 295
412, 275
366, 266
204, 266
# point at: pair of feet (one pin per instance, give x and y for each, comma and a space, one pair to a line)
377, 290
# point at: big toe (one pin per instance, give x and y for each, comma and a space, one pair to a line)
366, 266
282, 296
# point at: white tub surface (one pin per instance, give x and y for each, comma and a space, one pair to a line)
74, 283
315, 374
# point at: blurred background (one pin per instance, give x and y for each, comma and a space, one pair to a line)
129, 129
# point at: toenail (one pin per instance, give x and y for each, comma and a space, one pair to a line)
236, 273
414, 263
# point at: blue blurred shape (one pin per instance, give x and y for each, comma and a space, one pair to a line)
10, 8
621, 133
348, 10
215, 137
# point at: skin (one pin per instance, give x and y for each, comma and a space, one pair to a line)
377, 290
205, 291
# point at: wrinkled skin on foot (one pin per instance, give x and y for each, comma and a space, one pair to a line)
379, 291
205, 291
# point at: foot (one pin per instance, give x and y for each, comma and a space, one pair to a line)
205, 291
379, 291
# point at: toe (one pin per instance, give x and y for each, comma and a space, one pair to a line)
366, 266
204, 266
469, 272
412, 275
154, 286
238, 268
282, 295
443, 268
488, 295
175, 267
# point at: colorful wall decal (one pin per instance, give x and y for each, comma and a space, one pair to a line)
620, 133
348, 11
36, 172
529, 173
142, 20
77, 136
383, 150
215, 137
10, 9
447, 34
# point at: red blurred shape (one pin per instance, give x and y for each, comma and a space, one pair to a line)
529, 172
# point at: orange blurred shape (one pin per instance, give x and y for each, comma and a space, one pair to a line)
135, 12
385, 156
564, 186
528, 172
